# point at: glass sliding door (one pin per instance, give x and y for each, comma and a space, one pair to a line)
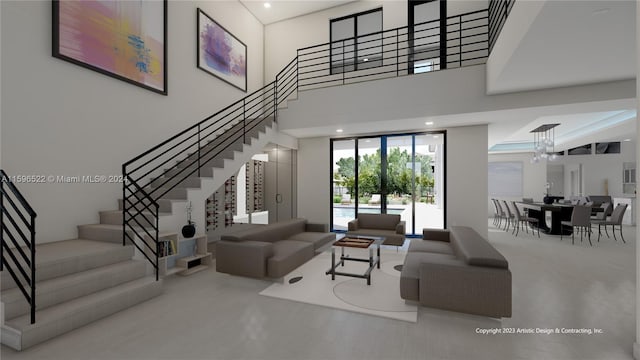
370, 194
429, 175
400, 178
343, 183
390, 174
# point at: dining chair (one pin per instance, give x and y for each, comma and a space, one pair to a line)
496, 213
616, 219
501, 213
581, 221
508, 215
602, 214
521, 220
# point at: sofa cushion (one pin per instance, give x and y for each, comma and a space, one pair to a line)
431, 246
468, 245
288, 255
318, 239
270, 233
378, 221
410, 275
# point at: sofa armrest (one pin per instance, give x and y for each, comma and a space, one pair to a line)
311, 227
401, 228
452, 285
246, 258
353, 225
435, 234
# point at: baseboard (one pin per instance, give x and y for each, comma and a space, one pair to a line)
636, 351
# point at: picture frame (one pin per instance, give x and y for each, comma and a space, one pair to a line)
126, 40
220, 53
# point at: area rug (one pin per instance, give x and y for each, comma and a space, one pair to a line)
381, 298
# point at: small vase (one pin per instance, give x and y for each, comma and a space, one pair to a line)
189, 230
547, 200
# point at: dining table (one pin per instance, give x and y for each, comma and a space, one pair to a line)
559, 213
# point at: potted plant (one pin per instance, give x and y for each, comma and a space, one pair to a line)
189, 230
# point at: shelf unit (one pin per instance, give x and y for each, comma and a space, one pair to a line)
221, 206
186, 256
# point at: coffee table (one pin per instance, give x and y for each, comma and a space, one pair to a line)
359, 242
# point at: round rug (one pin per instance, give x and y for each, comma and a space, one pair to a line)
383, 294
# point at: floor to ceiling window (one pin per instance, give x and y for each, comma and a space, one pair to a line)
389, 174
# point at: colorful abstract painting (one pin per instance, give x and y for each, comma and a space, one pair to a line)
123, 39
220, 53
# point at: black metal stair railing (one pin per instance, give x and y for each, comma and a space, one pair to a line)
390, 53
18, 239
498, 12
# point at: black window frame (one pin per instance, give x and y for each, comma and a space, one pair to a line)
355, 37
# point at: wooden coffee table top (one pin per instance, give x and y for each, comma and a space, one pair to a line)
354, 242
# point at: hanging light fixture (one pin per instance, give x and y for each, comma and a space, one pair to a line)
544, 143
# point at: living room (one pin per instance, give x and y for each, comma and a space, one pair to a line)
94, 113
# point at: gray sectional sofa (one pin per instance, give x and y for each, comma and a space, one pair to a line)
457, 270
388, 226
272, 250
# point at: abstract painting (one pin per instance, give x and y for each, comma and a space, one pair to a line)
220, 53
124, 39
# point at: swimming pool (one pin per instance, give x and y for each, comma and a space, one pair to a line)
350, 213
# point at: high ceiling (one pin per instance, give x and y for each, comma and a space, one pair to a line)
544, 44
286, 9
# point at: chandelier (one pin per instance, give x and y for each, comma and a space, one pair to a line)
544, 143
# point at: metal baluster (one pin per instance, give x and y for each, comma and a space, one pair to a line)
2, 180
33, 268
199, 146
397, 54
460, 39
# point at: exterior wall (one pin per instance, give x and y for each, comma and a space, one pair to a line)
62, 119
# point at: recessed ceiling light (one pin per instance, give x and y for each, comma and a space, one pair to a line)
429, 123
267, 5
339, 130
365, 59
626, 140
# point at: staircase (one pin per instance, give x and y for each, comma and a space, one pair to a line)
78, 281
82, 280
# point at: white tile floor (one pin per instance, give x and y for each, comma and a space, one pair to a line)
216, 316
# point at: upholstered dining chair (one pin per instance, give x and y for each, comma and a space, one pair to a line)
580, 221
508, 215
521, 220
615, 219
496, 212
501, 213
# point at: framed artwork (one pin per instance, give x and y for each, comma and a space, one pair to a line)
124, 39
220, 53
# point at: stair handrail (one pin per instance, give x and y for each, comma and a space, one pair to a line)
18, 256
145, 179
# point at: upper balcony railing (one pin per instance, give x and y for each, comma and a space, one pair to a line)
498, 12
396, 52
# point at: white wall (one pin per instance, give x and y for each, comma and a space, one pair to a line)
467, 185
62, 119
466, 156
534, 177
283, 38
599, 168
314, 172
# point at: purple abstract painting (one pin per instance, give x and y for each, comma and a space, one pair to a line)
220, 53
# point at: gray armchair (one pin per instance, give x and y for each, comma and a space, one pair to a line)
388, 226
